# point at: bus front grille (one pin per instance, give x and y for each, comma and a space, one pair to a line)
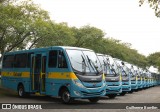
92, 93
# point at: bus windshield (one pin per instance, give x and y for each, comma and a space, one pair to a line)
126, 71
111, 67
133, 72
110, 71
85, 62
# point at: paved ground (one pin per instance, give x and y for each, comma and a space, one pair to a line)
151, 95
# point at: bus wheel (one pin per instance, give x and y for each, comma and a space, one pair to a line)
94, 100
130, 91
66, 97
21, 92
123, 93
112, 96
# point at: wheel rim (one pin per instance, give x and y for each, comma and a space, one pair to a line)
66, 96
20, 92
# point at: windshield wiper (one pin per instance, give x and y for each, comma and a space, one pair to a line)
83, 64
124, 71
111, 68
92, 65
132, 74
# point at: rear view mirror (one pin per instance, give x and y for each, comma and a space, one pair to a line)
122, 63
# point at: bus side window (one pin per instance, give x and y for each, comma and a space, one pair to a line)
61, 60
20, 60
8, 61
52, 59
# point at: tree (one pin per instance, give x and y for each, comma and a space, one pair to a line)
88, 37
154, 59
20, 21
154, 4
121, 50
23, 25
58, 35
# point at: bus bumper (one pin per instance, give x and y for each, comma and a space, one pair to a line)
113, 88
86, 92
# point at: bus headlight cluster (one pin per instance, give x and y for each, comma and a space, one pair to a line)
77, 93
104, 83
120, 83
78, 84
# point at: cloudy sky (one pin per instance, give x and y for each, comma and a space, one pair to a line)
120, 19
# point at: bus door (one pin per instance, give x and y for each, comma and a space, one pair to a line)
43, 73
38, 72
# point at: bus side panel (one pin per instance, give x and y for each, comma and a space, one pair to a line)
53, 85
11, 82
27, 84
4, 81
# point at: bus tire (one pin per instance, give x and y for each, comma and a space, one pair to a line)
112, 96
130, 91
21, 92
94, 100
66, 97
123, 93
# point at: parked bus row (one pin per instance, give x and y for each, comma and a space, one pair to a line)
123, 77
71, 73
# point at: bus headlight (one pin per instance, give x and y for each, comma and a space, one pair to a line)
77, 93
104, 83
78, 84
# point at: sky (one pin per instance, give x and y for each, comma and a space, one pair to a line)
121, 19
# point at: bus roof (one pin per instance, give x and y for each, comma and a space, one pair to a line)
46, 48
75, 48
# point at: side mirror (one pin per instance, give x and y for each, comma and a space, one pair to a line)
122, 63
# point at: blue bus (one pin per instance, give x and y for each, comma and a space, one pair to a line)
144, 79
126, 76
112, 76
148, 78
68, 72
133, 76
139, 78
134, 79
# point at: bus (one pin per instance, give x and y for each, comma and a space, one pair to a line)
112, 76
144, 79
126, 76
140, 78
134, 79
57, 71
146, 75
150, 78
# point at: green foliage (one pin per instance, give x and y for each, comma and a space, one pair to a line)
154, 4
88, 37
20, 21
23, 25
57, 35
154, 59
122, 51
